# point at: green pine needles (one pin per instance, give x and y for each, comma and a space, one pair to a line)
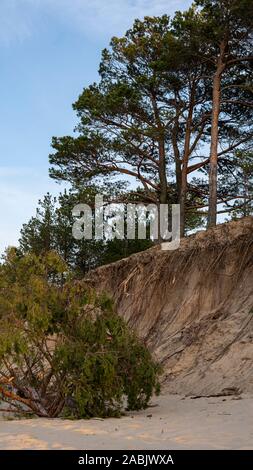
63, 349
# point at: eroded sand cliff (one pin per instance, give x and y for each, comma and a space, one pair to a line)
193, 307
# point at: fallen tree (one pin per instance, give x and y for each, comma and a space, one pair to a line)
63, 349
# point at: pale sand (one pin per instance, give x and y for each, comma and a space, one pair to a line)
176, 423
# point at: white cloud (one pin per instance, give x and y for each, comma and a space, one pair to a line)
19, 19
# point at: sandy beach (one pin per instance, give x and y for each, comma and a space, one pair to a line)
172, 422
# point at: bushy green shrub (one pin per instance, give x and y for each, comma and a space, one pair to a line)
63, 349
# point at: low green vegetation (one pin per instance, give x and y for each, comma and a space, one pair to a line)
63, 349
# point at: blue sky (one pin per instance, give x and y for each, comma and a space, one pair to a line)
49, 50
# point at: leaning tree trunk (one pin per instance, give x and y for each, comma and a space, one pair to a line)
183, 194
175, 139
213, 173
187, 144
163, 196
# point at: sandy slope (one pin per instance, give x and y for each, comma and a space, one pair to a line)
177, 423
193, 307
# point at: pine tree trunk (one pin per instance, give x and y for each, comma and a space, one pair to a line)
183, 200
178, 171
187, 144
163, 197
212, 211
